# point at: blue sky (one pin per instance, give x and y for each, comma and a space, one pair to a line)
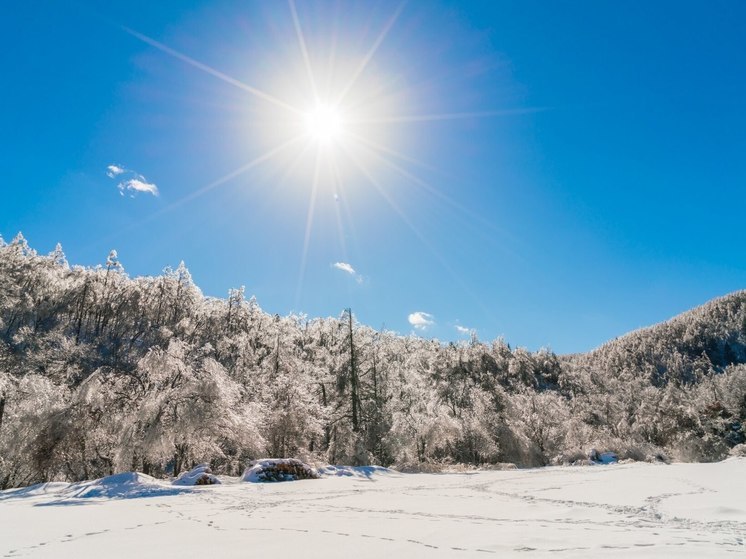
554, 173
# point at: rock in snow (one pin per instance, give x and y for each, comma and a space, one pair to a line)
278, 469
200, 475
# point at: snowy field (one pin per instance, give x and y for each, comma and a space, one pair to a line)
625, 510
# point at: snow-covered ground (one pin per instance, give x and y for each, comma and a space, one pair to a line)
623, 510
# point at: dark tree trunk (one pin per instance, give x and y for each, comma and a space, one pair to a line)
2, 411
327, 427
80, 312
353, 377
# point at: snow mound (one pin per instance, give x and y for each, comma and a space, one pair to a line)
278, 469
201, 475
127, 485
38, 490
738, 451
354, 471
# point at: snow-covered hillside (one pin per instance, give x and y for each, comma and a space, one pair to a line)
640, 510
104, 373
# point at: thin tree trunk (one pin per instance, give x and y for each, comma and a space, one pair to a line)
353, 377
2, 411
80, 312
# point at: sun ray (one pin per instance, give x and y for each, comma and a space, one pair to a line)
309, 225
293, 166
392, 203
233, 174
378, 147
332, 59
189, 197
304, 50
337, 182
345, 217
439, 257
453, 204
212, 71
447, 116
379, 152
369, 56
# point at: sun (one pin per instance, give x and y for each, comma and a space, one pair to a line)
323, 124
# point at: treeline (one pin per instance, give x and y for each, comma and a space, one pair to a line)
102, 373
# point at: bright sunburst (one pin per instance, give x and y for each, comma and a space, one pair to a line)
324, 124
326, 117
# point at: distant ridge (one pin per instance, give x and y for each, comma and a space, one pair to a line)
714, 332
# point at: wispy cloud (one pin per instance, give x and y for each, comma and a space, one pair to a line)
463, 329
114, 170
130, 181
421, 320
137, 185
348, 269
345, 267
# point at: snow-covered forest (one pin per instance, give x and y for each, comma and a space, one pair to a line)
101, 373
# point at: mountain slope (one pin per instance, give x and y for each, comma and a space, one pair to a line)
706, 339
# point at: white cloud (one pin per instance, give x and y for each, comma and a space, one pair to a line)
345, 267
137, 185
463, 329
114, 170
421, 320
130, 181
348, 269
